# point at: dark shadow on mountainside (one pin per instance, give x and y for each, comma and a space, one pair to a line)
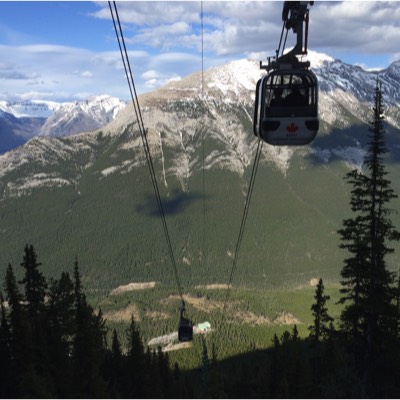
176, 203
356, 136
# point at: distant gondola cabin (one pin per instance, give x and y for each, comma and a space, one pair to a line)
185, 330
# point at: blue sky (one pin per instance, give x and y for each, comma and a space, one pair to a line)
63, 51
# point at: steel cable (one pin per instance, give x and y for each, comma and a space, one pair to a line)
244, 219
143, 134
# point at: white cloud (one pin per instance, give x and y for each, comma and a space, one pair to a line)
57, 72
371, 69
153, 79
237, 28
153, 13
86, 74
33, 95
368, 27
162, 36
229, 26
164, 43
151, 74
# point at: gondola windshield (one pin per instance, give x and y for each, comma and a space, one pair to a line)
290, 95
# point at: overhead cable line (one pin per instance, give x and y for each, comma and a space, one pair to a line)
244, 219
280, 40
242, 226
143, 134
203, 137
249, 193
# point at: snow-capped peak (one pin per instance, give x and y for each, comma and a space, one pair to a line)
82, 116
46, 109
22, 120
105, 103
30, 109
234, 77
317, 60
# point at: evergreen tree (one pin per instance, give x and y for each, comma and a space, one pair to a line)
321, 326
61, 310
135, 344
354, 273
275, 370
398, 304
88, 350
5, 352
77, 283
34, 282
116, 346
319, 334
295, 334
60, 329
369, 316
114, 368
161, 373
25, 380
35, 286
137, 381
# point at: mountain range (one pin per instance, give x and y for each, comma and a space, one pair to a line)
20, 121
89, 195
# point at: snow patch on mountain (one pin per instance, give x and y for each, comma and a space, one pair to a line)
318, 60
27, 184
234, 78
352, 156
30, 109
279, 156
26, 119
110, 170
82, 116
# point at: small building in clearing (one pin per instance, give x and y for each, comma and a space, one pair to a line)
202, 327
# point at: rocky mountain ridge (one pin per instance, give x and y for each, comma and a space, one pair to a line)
20, 121
219, 109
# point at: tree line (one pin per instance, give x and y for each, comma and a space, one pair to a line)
53, 344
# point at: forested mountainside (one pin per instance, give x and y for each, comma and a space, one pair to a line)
50, 185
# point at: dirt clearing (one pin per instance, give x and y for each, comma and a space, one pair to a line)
132, 286
212, 286
124, 315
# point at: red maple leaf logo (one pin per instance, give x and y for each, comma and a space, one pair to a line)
292, 128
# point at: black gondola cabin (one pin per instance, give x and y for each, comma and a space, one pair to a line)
185, 330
